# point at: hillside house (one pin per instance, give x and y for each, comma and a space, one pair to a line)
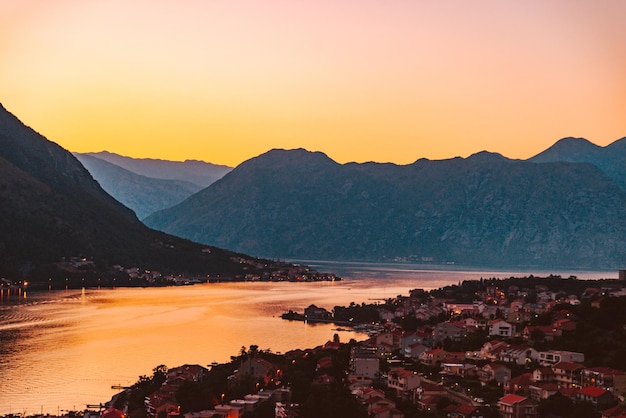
500, 328
515, 406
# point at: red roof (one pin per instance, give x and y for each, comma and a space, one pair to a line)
592, 391
112, 413
511, 399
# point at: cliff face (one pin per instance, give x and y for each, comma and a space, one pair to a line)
483, 210
51, 207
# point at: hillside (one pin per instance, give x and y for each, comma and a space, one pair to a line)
610, 159
144, 195
52, 209
485, 210
198, 172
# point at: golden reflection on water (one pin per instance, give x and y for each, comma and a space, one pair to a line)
68, 347
64, 349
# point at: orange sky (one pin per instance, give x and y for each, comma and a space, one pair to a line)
361, 80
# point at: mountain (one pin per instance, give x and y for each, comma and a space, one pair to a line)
610, 159
52, 210
197, 172
144, 195
485, 210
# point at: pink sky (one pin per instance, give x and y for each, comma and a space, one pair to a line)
366, 80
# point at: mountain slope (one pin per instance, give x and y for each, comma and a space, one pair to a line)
485, 210
610, 159
51, 208
197, 172
144, 195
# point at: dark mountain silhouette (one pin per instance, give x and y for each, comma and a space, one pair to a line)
610, 159
485, 210
144, 195
194, 171
51, 208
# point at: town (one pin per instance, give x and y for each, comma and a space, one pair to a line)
519, 347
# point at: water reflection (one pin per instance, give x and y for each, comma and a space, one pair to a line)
62, 349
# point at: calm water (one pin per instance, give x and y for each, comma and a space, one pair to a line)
61, 350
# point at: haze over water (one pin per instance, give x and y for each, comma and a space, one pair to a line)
63, 349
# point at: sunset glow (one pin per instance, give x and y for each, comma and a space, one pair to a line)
223, 81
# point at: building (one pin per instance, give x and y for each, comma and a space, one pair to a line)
500, 328
519, 355
454, 331
515, 406
402, 380
494, 371
433, 357
552, 357
365, 362
600, 398
567, 374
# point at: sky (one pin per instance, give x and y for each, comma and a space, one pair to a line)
360, 80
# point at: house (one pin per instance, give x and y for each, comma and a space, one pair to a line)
491, 349
515, 406
606, 378
313, 312
365, 362
467, 411
458, 369
500, 328
427, 394
552, 357
543, 374
548, 332
433, 357
600, 398
258, 368
519, 384
402, 380
389, 339
519, 355
567, 374
494, 371
540, 391
414, 350
454, 331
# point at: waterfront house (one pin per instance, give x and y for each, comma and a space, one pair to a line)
313, 312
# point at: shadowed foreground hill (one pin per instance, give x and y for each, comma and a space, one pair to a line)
485, 210
50, 207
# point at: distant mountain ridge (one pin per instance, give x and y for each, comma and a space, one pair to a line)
145, 195
194, 171
611, 159
485, 210
51, 209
